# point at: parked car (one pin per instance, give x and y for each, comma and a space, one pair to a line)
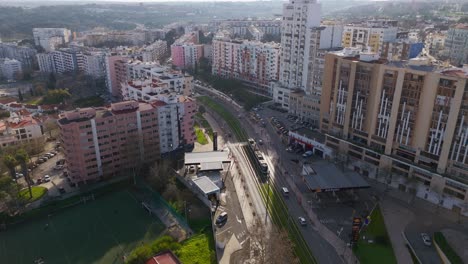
222, 219
47, 178
302, 221
40, 161
285, 191
426, 239
58, 167
61, 190
39, 181
60, 162
260, 142
307, 154
19, 175
289, 149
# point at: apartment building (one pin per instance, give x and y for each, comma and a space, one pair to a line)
50, 38
407, 117
104, 142
240, 27
186, 51
305, 103
26, 55
116, 73
456, 44
10, 69
94, 64
154, 52
435, 43
253, 62
299, 19
401, 50
371, 34
19, 128
60, 61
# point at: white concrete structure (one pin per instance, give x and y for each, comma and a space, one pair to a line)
50, 38
10, 69
19, 128
94, 64
60, 61
155, 51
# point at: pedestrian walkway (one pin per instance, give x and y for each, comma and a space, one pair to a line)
232, 246
396, 219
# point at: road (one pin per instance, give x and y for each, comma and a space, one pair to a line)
321, 249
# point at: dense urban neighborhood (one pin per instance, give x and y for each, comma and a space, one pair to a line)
298, 131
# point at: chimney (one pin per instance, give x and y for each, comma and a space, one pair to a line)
215, 141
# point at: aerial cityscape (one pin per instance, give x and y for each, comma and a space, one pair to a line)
232, 132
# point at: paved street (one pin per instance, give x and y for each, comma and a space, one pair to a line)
320, 248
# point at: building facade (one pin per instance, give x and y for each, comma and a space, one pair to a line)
10, 69
26, 55
405, 117
456, 44
255, 63
103, 142
371, 34
50, 38
19, 128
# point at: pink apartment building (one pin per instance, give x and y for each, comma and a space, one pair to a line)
116, 73
103, 142
186, 51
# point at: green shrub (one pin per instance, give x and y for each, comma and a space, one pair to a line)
447, 249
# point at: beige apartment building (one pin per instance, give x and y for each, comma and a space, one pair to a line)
409, 117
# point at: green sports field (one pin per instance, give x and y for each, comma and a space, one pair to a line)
100, 231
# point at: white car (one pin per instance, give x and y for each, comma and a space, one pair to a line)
302, 221
47, 178
426, 239
307, 154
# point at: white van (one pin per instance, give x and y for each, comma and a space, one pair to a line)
285, 191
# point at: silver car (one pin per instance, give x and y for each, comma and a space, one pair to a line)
302, 221
426, 239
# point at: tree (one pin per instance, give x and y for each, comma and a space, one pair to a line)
9, 193
52, 81
56, 96
201, 109
22, 157
10, 162
272, 245
159, 176
20, 95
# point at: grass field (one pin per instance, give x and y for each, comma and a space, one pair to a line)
381, 250
37, 192
200, 135
99, 231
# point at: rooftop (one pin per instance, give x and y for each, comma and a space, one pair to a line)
206, 185
195, 158
310, 134
165, 257
323, 176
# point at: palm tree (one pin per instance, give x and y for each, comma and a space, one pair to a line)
22, 157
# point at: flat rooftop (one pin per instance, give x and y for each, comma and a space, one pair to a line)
323, 176
206, 185
196, 158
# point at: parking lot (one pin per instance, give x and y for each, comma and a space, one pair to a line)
48, 171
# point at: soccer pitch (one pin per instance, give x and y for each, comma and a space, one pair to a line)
99, 231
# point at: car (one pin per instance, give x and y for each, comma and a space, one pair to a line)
302, 221
45, 158
285, 191
53, 152
19, 175
40, 161
58, 167
61, 190
307, 154
39, 181
426, 239
260, 142
47, 178
222, 219
60, 162
289, 149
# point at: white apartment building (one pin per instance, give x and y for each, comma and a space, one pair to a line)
26, 55
60, 61
456, 44
155, 51
50, 38
18, 128
10, 69
94, 64
370, 35
253, 62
